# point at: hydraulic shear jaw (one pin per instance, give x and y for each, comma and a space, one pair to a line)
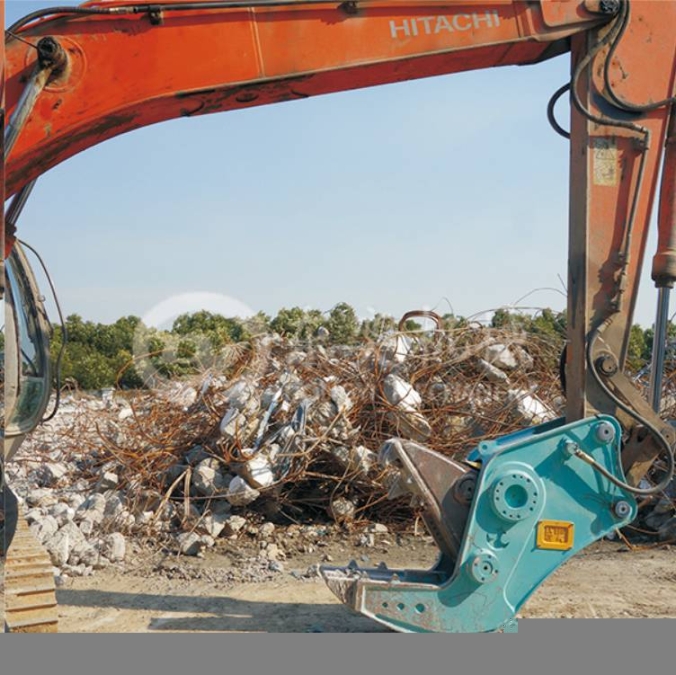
501, 530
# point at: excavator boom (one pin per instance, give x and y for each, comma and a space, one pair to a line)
520, 506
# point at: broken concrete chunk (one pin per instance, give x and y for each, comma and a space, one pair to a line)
233, 525
342, 510
240, 493
266, 530
273, 552
92, 509
41, 497
397, 347
114, 504
258, 472
492, 373
525, 360
114, 547
208, 479
340, 398
400, 393
84, 553
52, 474
411, 425
181, 395
36, 514
108, 481
44, 528
213, 523
240, 395
125, 413
531, 409
500, 356
233, 425
59, 545
62, 512
189, 543
359, 459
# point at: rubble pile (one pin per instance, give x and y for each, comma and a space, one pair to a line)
291, 435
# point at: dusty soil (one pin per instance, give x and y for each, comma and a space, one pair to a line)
159, 592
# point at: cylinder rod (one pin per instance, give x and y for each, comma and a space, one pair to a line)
52, 58
659, 348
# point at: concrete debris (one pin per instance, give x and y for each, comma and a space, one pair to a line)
214, 523
342, 510
52, 474
60, 544
190, 543
286, 439
108, 481
233, 525
258, 472
242, 397
62, 513
114, 547
530, 408
44, 528
240, 493
266, 530
209, 479
233, 425
340, 399
182, 396
492, 373
501, 356
359, 460
400, 393
410, 424
41, 497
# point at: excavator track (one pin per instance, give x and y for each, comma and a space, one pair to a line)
29, 588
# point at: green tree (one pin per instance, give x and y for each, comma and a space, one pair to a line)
219, 329
258, 324
377, 327
549, 324
342, 324
297, 323
638, 352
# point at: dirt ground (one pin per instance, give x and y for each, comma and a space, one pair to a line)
159, 592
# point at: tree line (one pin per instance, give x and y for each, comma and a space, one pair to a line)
120, 354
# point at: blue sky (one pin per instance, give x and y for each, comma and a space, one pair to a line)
449, 193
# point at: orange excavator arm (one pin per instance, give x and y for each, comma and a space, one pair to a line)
129, 65
78, 76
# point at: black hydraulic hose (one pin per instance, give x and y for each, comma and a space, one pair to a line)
159, 7
550, 110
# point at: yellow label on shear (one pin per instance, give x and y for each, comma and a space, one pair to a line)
555, 534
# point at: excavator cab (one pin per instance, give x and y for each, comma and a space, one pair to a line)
26, 363
30, 602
